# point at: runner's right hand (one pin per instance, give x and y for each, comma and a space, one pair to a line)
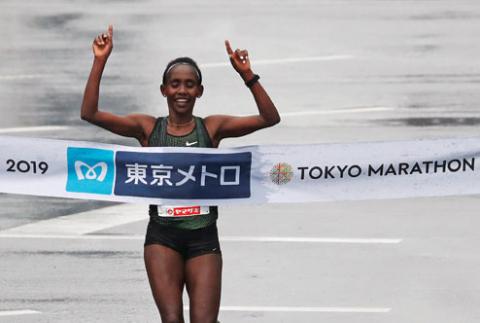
103, 44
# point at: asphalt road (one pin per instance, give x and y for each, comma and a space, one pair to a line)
339, 71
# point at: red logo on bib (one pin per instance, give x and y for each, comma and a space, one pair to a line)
186, 211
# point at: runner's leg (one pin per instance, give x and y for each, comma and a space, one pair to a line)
165, 269
203, 276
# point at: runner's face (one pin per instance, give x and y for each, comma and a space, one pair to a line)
182, 88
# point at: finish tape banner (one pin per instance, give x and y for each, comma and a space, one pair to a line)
254, 174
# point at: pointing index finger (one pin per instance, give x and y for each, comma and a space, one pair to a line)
229, 49
110, 31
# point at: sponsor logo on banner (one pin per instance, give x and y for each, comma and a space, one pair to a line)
183, 175
184, 211
90, 170
281, 173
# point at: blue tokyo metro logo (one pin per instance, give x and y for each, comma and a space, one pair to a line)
90, 170
183, 175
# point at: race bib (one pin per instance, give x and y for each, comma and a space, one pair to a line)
180, 211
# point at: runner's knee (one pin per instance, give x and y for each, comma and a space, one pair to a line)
203, 317
172, 318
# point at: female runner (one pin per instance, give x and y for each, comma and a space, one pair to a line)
181, 251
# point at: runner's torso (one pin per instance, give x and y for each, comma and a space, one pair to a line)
177, 215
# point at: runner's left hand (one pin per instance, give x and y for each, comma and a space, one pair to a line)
240, 60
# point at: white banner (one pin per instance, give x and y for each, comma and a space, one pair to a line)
254, 174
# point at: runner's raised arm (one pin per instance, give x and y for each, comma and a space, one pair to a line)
224, 126
133, 125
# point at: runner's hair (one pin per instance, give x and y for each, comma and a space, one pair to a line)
182, 60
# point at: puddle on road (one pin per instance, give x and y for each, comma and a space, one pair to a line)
56, 21
430, 121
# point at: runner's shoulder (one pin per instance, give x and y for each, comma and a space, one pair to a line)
146, 122
215, 120
213, 123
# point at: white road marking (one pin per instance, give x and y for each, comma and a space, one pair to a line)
8, 235
312, 240
302, 309
283, 114
213, 64
284, 60
335, 111
22, 76
83, 225
32, 129
84, 222
18, 312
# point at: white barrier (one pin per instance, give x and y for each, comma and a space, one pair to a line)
255, 174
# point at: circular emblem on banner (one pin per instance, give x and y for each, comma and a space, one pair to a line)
281, 173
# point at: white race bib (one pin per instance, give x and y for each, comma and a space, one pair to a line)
180, 211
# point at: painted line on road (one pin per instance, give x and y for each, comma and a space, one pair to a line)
82, 223
285, 60
18, 312
86, 225
283, 114
302, 309
33, 129
9, 77
222, 238
311, 240
336, 111
22, 76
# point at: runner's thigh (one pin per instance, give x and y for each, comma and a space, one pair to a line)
203, 275
165, 269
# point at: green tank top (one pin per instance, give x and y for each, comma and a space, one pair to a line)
197, 138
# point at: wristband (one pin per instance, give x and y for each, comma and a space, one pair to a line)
252, 81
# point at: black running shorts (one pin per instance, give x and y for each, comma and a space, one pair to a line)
189, 243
